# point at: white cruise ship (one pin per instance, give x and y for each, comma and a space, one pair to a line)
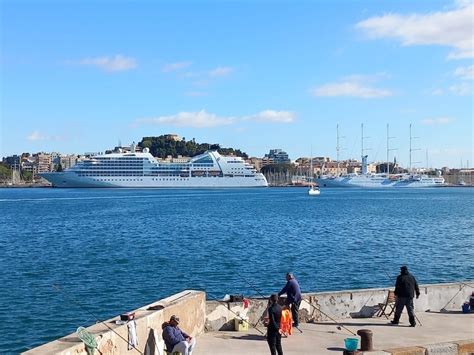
142, 170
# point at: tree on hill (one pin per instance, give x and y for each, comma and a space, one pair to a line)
162, 146
5, 172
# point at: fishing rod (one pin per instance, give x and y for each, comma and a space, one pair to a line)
261, 295
238, 315
71, 299
452, 298
339, 325
390, 278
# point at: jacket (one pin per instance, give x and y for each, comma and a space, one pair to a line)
406, 286
293, 292
173, 336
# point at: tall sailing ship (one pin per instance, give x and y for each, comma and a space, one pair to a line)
142, 170
384, 180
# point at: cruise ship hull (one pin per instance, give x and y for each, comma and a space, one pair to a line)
376, 182
71, 180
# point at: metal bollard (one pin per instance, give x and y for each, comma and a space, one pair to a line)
366, 343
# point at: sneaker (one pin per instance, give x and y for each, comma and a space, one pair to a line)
393, 322
413, 325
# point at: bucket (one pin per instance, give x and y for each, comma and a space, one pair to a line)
351, 344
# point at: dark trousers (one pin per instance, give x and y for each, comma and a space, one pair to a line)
295, 307
274, 341
400, 304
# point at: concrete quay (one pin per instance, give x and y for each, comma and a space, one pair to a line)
443, 332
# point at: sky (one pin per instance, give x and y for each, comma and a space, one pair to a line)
82, 76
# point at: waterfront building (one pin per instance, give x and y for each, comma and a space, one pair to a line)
13, 161
68, 161
256, 162
276, 156
43, 162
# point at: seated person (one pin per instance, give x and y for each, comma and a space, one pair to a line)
177, 340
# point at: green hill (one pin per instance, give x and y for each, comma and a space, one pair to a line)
163, 146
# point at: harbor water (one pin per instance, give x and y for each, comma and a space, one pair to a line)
69, 253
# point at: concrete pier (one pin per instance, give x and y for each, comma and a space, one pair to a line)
443, 332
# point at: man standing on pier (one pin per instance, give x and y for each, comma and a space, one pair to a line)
405, 289
293, 297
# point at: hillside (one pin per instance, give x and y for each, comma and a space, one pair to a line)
162, 146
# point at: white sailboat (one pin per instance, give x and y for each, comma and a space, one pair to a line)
313, 190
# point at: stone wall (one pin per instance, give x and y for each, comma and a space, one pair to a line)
188, 305
338, 305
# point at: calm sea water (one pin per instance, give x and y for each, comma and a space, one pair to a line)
115, 250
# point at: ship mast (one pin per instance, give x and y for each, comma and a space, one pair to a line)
388, 150
337, 149
364, 169
411, 150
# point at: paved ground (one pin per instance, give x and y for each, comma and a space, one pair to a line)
325, 338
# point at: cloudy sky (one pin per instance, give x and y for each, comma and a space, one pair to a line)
81, 75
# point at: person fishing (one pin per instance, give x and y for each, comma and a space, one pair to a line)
175, 339
293, 297
405, 289
273, 326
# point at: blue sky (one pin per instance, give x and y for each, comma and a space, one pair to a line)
79, 76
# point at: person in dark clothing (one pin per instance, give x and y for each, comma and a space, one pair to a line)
293, 296
175, 339
273, 327
405, 289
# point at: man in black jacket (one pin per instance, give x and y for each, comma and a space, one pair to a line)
405, 290
273, 327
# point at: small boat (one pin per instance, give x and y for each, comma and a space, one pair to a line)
314, 190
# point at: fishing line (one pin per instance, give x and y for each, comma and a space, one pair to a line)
71, 299
390, 278
339, 325
238, 315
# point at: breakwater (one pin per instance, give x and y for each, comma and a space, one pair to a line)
198, 315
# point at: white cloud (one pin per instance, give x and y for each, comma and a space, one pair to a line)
175, 66
220, 72
38, 136
437, 92
452, 28
196, 93
110, 64
466, 73
462, 89
272, 116
201, 119
437, 121
352, 86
